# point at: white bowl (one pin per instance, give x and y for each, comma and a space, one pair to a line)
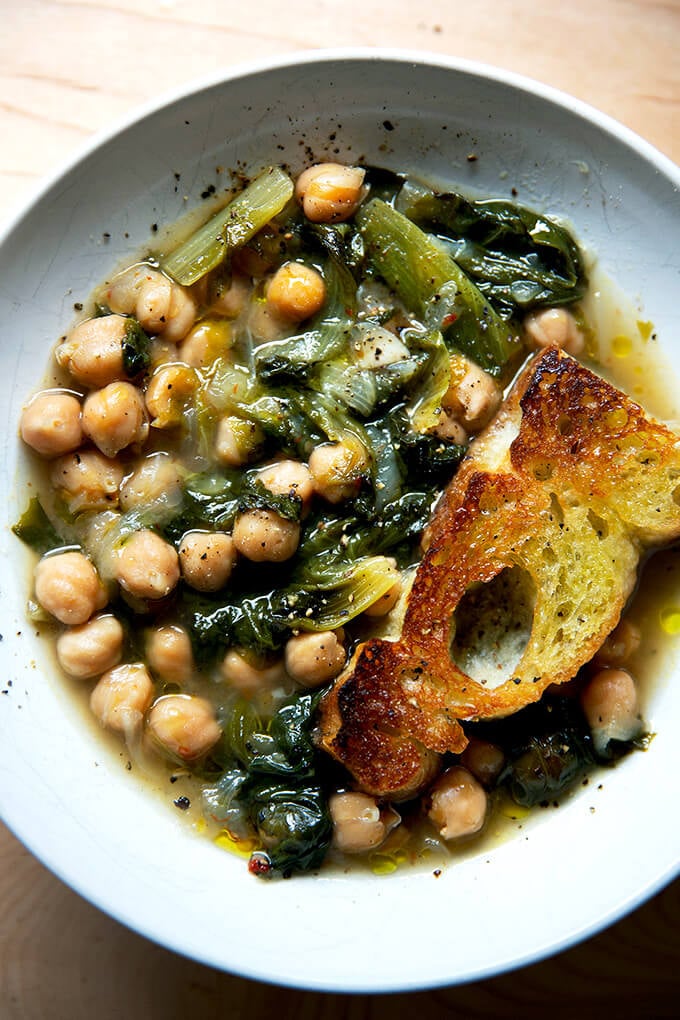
64, 793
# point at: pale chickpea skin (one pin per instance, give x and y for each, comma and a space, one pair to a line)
91, 648
296, 292
147, 566
620, 645
554, 326
68, 587
156, 476
336, 470
458, 804
122, 696
237, 441
115, 418
288, 478
250, 674
182, 314
313, 659
170, 389
87, 480
50, 423
184, 725
206, 559
484, 760
264, 536
93, 351
473, 397
330, 192
386, 603
611, 707
450, 429
168, 653
358, 824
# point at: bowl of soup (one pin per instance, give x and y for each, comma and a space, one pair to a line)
340, 522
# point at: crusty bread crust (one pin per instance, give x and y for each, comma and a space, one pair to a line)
560, 497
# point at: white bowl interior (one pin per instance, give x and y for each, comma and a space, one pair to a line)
65, 794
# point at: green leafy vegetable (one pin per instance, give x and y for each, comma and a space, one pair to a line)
35, 529
136, 349
246, 214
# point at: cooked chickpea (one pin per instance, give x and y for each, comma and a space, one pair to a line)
231, 298
249, 673
206, 559
168, 652
115, 418
611, 707
621, 644
358, 824
67, 585
288, 478
87, 480
156, 476
122, 696
296, 292
554, 326
91, 648
483, 760
386, 603
147, 565
330, 192
448, 428
206, 342
458, 804
50, 423
473, 396
93, 351
181, 316
154, 297
336, 470
265, 536
158, 304
184, 725
237, 441
314, 658
170, 389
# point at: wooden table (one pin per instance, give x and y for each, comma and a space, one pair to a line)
70, 67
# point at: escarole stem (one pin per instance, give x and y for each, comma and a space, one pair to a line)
247, 213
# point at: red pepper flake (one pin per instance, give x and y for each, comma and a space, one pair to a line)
259, 864
449, 320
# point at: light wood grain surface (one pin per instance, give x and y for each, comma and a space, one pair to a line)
71, 67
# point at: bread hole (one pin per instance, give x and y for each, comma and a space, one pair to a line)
491, 626
556, 511
598, 524
543, 471
676, 495
565, 425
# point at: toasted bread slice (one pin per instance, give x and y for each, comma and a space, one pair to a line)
530, 558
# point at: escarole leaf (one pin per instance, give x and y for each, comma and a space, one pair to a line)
425, 405
429, 282
35, 529
263, 199
136, 349
518, 258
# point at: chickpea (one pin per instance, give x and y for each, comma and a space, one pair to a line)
237, 441
50, 423
330, 192
156, 476
450, 429
68, 587
184, 725
122, 696
288, 478
87, 480
159, 304
611, 707
264, 322
206, 560
386, 603
170, 389
115, 417
473, 396
336, 470
91, 648
154, 297
168, 652
206, 342
231, 299
358, 824
296, 292
621, 644
265, 536
458, 804
554, 326
181, 316
314, 658
147, 566
483, 760
249, 673
93, 351
122, 293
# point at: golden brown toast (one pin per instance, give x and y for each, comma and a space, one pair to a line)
531, 555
